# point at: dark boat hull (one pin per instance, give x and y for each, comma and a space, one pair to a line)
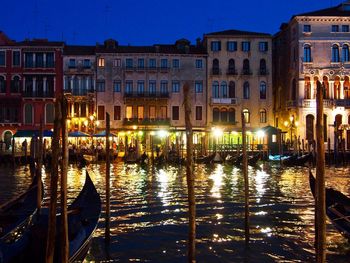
295, 160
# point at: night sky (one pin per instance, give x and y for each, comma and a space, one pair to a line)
145, 22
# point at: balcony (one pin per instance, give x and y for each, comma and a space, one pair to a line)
147, 121
215, 71
79, 69
77, 92
311, 103
263, 72
151, 95
39, 94
231, 71
342, 103
246, 72
224, 101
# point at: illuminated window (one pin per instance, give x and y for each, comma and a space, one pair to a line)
140, 112
152, 112
101, 112
246, 115
262, 116
101, 62
128, 112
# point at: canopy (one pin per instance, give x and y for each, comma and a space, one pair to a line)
103, 134
31, 133
78, 134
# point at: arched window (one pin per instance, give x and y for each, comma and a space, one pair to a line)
223, 115
346, 88
262, 90
246, 90
263, 70
326, 87
49, 113
307, 88
216, 115
337, 88
224, 89
7, 139
310, 127
335, 53
346, 57
15, 85
263, 116
2, 84
307, 53
216, 67
76, 86
232, 115
338, 121
294, 90
246, 67
28, 114
232, 89
246, 114
231, 66
215, 88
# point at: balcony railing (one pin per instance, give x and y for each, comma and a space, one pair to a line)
225, 101
311, 103
76, 92
246, 72
146, 121
263, 72
342, 103
39, 94
138, 68
231, 71
215, 71
146, 94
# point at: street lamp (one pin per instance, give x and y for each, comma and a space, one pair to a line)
291, 125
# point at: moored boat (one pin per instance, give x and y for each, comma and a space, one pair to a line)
205, 159
296, 160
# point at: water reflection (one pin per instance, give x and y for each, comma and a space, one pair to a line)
149, 212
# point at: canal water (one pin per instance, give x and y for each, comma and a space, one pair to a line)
149, 213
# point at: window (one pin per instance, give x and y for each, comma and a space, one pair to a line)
2, 58
335, 28
86, 63
175, 116
117, 63
307, 28
164, 63
15, 85
101, 112
335, 53
199, 63
262, 69
224, 89
176, 63
215, 89
263, 46
198, 113
100, 86
101, 62
307, 53
28, 114
50, 60
198, 86
345, 28
231, 46
117, 111
152, 112
39, 60
246, 67
117, 86
262, 90
245, 46
71, 63
164, 87
232, 89
163, 112
141, 63
246, 90
231, 66
246, 115
128, 112
175, 86
216, 67
346, 57
129, 63
2, 84
16, 58
232, 115
29, 63
140, 112
223, 115
215, 46
152, 63
216, 115
49, 113
152, 87
262, 116
128, 87
140, 88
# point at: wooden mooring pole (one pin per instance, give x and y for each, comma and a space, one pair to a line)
40, 164
108, 167
320, 201
190, 177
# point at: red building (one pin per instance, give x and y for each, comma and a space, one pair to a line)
31, 77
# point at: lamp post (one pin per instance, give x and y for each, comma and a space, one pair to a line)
291, 125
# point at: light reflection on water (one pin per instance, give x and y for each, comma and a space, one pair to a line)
149, 212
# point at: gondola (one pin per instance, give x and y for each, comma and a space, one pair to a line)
205, 159
15, 213
296, 160
337, 207
83, 216
252, 160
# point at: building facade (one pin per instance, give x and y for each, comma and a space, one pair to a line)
314, 48
239, 80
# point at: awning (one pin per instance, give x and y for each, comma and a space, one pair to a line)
31, 133
78, 134
103, 134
